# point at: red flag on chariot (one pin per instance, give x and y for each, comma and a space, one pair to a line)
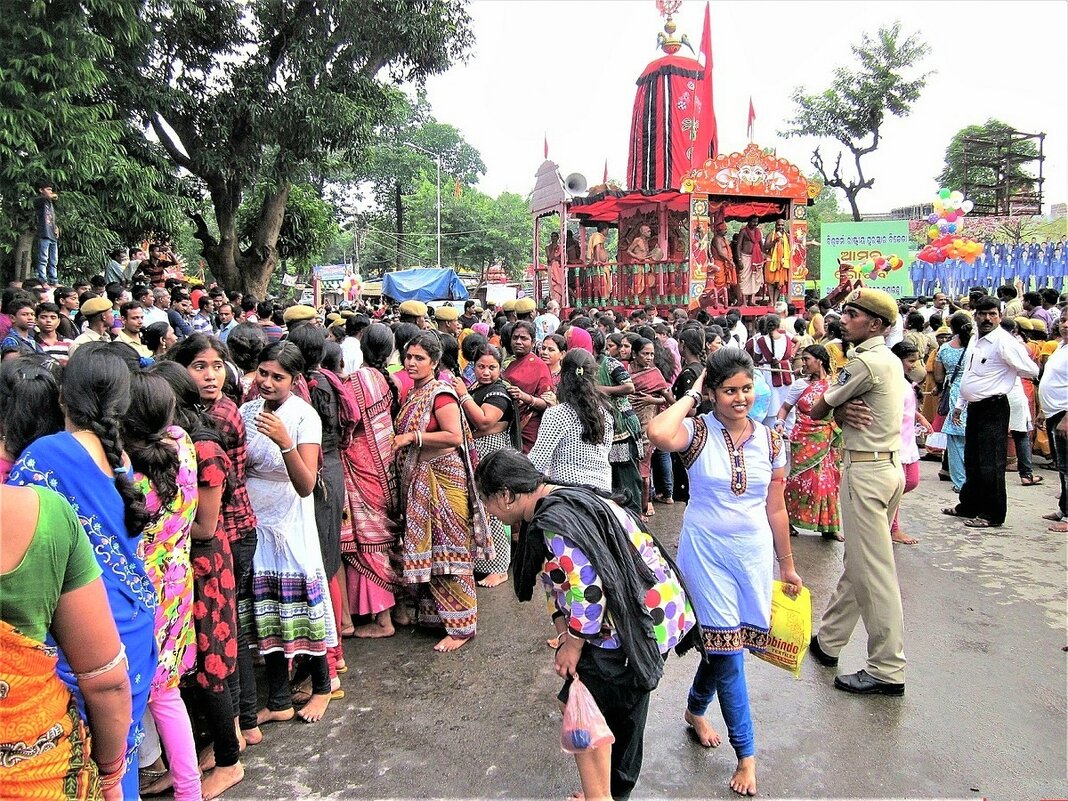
707, 144
752, 119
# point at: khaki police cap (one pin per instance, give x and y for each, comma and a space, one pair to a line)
875, 302
509, 305
944, 331
446, 313
525, 306
413, 308
334, 318
347, 313
298, 314
94, 306
1030, 323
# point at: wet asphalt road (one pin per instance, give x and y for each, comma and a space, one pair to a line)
984, 713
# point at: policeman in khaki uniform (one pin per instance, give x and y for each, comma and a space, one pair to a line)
414, 312
872, 484
447, 320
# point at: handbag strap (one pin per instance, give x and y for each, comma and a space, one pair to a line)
956, 369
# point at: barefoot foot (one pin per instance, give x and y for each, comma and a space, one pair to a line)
252, 736
160, 786
702, 729
373, 631
493, 580
743, 781
401, 617
206, 759
220, 780
271, 716
903, 538
314, 710
449, 643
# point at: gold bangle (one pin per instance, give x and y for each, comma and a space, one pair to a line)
784, 557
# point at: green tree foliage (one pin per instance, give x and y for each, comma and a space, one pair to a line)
826, 208
309, 225
274, 93
852, 109
58, 122
400, 158
477, 232
1013, 154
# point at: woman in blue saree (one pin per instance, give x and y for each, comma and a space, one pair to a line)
87, 466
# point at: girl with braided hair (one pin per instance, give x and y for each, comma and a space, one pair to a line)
87, 465
214, 586
165, 471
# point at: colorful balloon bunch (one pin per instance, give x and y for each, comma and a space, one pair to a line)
882, 266
947, 221
352, 286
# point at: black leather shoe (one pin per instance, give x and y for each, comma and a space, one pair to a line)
820, 655
863, 684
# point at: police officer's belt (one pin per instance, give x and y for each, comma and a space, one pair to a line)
871, 456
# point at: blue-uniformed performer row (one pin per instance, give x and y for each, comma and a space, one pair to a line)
1035, 265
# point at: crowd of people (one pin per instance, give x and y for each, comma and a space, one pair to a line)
197, 481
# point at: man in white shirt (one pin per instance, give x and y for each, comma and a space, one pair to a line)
993, 362
737, 333
153, 314
351, 350
548, 321
897, 332
1053, 393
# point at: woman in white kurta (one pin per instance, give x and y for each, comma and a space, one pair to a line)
734, 530
291, 608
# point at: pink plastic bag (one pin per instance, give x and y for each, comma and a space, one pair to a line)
584, 727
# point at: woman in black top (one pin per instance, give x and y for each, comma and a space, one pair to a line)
329, 491
495, 424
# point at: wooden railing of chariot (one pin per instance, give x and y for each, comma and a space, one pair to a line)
660, 283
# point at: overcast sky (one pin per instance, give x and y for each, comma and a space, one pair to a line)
566, 69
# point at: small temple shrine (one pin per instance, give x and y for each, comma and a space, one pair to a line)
680, 188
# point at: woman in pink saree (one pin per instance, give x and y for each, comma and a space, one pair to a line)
368, 534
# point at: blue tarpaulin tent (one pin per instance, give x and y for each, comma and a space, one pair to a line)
425, 284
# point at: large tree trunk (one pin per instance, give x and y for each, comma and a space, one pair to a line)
248, 271
23, 260
256, 264
221, 254
852, 198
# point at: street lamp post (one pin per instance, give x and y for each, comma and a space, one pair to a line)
437, 160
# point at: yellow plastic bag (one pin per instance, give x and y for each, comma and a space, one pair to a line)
791, 629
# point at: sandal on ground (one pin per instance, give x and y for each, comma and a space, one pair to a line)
1054, 516
979, 522
1031, 481
951, 511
